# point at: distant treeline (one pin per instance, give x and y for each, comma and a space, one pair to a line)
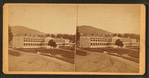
65, 36
128, 35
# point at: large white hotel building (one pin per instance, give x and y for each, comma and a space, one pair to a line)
99, 42
36, 42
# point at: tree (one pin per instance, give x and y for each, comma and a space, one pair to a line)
119, 35
121, 44
114, 34
132, 35
72, 38
59, 35
52, 35
66, 36
52, 43
10, 34
126, 35
118, 42
138, 37
47, 35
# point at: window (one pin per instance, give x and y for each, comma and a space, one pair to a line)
29, 39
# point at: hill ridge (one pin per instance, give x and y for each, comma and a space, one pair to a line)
22, 30
90, 30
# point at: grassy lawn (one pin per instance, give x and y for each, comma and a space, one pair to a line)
68, 56
72, 48
63, 53
13, 53
119, 51
82, 53
65, 47
134, 55
135, 48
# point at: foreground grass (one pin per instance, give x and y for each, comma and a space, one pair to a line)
68, 56
120, 51
80, 52
135, 48
13, 53
72, 48
133, 55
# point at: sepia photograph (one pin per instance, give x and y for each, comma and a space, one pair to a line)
108, 38
86, 39
41, 37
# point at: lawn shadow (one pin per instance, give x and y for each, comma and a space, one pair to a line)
13, 53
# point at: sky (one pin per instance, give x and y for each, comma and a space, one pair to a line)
52, 19
63, 19
113, 18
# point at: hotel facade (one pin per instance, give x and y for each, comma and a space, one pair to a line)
37, 42
100, 42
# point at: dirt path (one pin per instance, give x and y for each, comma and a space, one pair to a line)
35, 62
100, 62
